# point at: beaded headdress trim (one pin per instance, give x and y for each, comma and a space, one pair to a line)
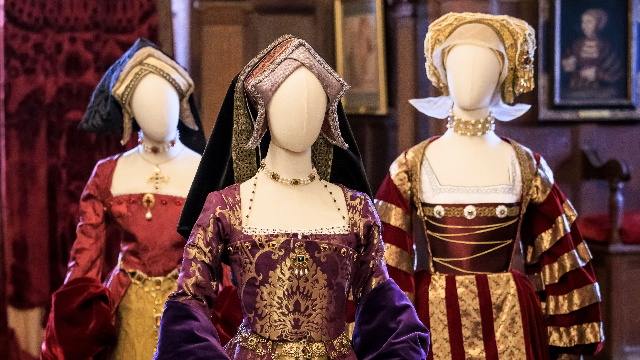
248, 132
152, 61
517, 36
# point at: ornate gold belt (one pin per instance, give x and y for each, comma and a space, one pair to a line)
295, 349
154, 285
470, 211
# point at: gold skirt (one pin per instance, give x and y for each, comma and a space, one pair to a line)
138, 316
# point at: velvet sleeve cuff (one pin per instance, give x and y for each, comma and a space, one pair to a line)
187, 334
387, 326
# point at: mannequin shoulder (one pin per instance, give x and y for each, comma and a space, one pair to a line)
190, 159
410, 159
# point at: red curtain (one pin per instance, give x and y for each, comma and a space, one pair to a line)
55, 53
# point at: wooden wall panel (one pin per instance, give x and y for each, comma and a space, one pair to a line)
217, 53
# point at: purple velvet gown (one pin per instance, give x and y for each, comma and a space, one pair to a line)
293, 288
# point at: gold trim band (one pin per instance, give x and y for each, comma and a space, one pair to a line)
560, 228
551, 273
485, 211
576, 335
393, 215
295, 349
575, 300
398, 258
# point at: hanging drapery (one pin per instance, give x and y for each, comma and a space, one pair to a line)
55, 53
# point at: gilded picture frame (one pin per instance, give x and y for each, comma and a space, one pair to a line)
360, 55
588, 60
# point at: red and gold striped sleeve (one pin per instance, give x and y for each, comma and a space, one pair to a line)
557, 263
394, 205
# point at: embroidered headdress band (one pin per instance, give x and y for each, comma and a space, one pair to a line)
151, 61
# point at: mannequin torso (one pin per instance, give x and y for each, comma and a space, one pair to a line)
156, 107
295, 115
473, 161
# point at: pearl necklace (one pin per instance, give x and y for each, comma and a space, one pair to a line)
156, 149
281, 179
471, 127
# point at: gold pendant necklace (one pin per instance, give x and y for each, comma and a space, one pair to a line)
156, 178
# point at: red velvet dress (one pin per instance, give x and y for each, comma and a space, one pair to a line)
83, 317
471, 297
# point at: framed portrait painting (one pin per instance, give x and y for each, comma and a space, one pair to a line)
588, 66
361, 56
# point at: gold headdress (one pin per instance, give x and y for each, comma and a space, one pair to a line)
517, 37
152, 61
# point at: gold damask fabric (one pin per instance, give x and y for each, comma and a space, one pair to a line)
560, 228
551, 273
574, 300
138, 325
398, 258
588, 333
507, 318
393, 215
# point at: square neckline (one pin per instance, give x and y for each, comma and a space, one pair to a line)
328, 230
512, 175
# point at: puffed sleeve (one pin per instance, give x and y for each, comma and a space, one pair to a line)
87, 253
81, 321
558, 265
393, 203
386, 324
186, 331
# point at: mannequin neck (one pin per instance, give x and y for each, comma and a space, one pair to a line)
162, 155
287, 163
471, 114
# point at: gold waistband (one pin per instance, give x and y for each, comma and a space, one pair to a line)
295, 349
470, 211
151, 283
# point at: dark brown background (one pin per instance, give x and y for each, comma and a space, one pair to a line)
227, 34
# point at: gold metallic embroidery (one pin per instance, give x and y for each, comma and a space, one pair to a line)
438, 318
393, 215
245, 164
576, 335
507, 319
470, 314
517, 36
294, 297
551, 273
322, 157
575, 300
542, 182
560, 228
157, 287
295, 349
399, 176
398, 258
197, 250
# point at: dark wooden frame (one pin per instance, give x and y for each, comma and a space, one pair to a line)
550, 108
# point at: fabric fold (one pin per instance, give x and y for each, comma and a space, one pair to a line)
400, 334
187, 333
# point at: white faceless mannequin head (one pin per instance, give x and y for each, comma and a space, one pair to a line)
296, 111
473, 73
156, 108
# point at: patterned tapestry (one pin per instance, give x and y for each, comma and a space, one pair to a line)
55, 53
